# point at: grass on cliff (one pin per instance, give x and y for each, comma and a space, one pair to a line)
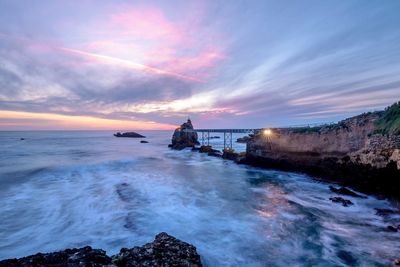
389, 122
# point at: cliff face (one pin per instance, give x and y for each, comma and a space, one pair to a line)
352, 152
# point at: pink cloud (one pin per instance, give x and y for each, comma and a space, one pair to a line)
148, 36
147, 23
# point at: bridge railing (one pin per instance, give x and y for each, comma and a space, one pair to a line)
228, 135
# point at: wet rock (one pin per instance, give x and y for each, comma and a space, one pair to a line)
396, 262
243, 139
85, 256
215, 154
207, 149
165, 250
347, 258
384, 212
391, 228
345, 191
129, 134
230, 154
144, 142
344, 202
22, 139
184, 136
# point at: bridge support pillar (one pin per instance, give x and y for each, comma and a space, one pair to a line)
228, 140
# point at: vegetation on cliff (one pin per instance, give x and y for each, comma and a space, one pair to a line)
389, 121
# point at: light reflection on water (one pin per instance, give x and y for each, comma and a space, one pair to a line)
71, 189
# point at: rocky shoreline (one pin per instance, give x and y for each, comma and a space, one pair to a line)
165, 250
357, 152
362, 152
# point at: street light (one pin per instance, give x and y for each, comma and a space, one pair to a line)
267, 132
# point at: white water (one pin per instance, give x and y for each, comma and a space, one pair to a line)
71, 189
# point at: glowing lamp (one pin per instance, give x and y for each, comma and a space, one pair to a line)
267, 132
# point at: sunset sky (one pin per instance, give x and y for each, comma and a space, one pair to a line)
150, 64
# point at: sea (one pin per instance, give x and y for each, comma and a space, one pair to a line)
64, 189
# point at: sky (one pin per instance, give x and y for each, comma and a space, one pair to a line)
116, 65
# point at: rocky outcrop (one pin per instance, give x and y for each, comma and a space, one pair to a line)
85, 256
243, 139
129, 134
165, 250
356, 152
184, 136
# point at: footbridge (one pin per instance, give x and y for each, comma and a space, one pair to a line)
228, 135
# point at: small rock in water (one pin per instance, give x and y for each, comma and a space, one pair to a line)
344, 202
144, 142
347, 258
391, 228
384, 212
344, 191
129, 134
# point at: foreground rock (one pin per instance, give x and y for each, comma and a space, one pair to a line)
129, 134
362, 152
184, 136
165, 250
85, 256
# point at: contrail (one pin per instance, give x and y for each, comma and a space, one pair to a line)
130, 64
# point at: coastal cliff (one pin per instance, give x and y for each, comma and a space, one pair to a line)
362, 151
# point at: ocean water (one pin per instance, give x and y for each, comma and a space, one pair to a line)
72, 189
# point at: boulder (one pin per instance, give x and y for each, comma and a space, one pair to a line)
184, 136
165, 250
129, 134
144, 141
